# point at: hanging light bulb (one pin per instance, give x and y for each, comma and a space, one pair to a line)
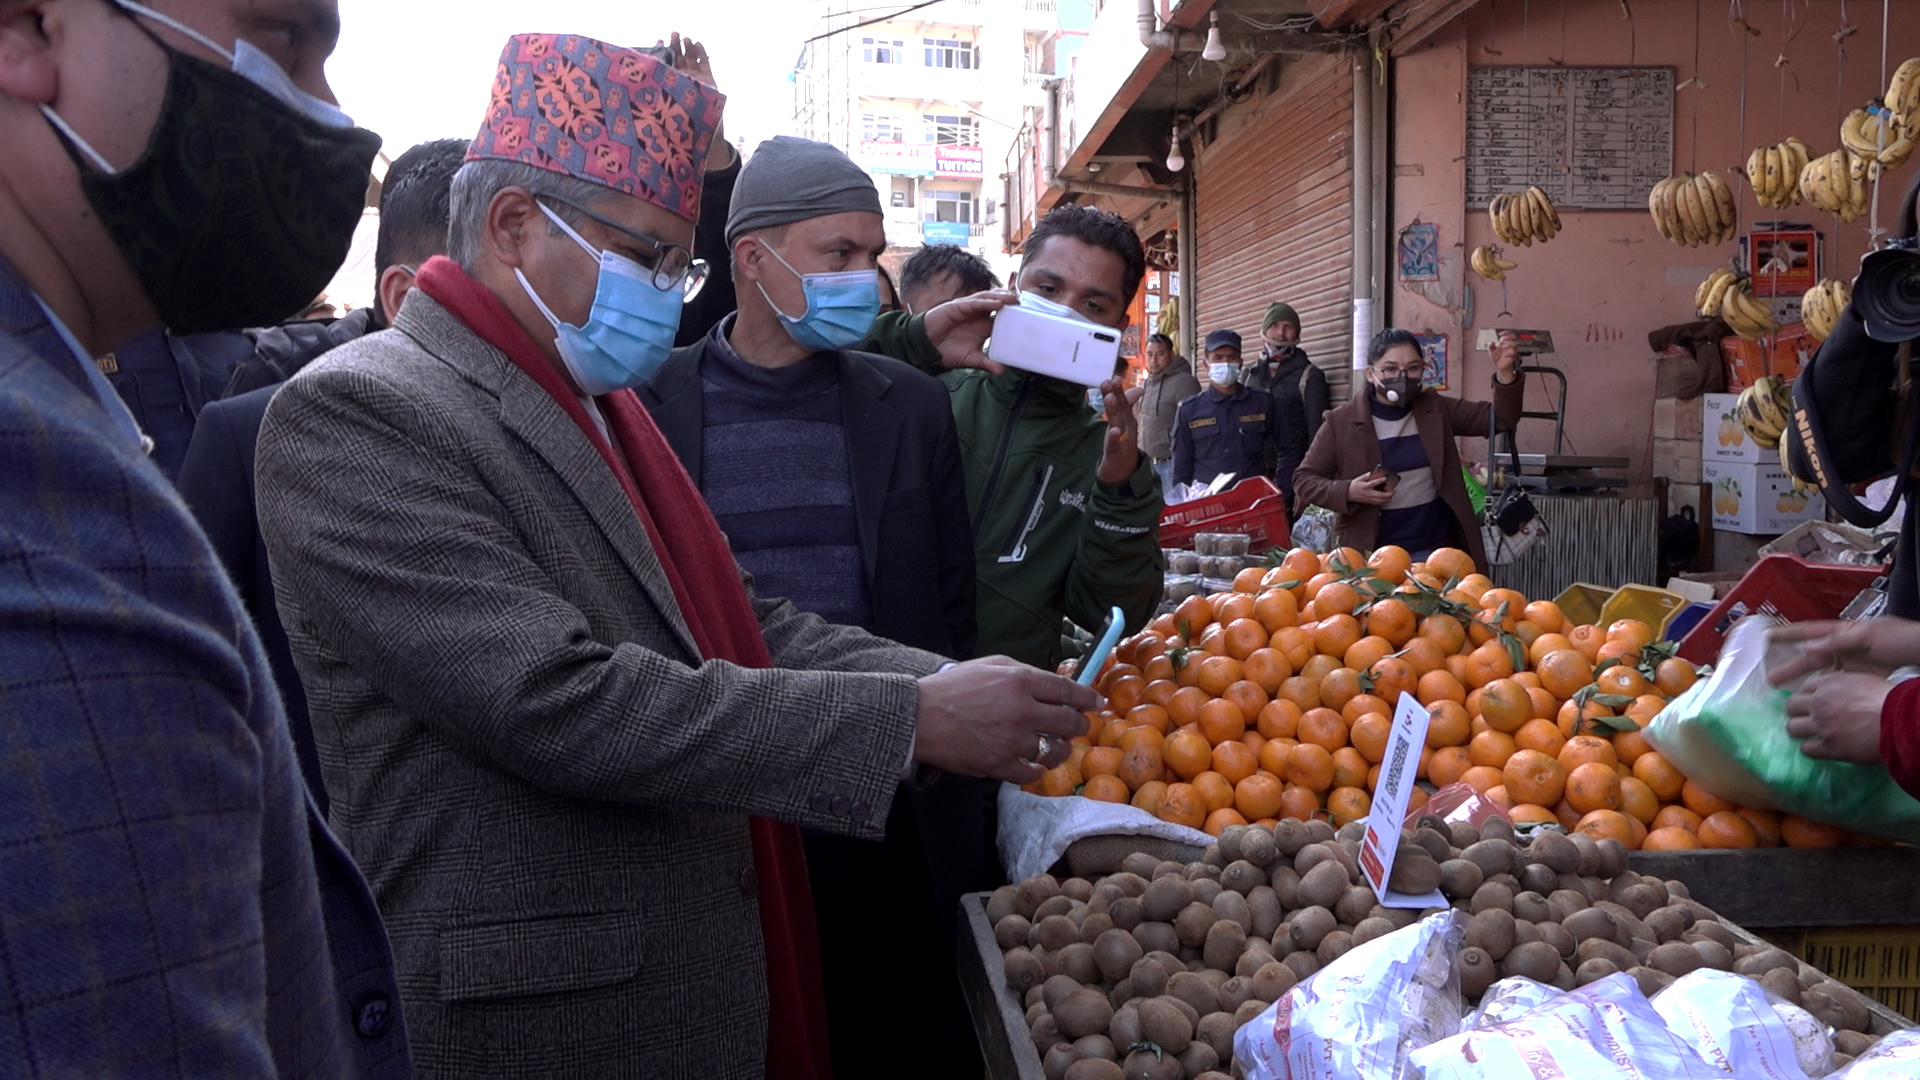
1214, 51
1174, 161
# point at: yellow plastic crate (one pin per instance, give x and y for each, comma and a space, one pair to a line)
1882, 962
1581, 603
1655, 607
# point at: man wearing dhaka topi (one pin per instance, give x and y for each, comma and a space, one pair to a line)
565, 741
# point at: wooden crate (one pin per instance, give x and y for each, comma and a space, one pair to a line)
1000, 1021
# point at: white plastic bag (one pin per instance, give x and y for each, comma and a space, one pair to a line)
1359, 1017
1509, 999
1736, 1024
1606, 1030
1896, 1057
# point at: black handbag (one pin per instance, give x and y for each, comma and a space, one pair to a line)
1511, 525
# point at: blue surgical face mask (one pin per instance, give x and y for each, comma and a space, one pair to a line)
840, 307
629, 331
1096, 399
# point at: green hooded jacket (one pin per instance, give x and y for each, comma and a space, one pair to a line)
1050, 539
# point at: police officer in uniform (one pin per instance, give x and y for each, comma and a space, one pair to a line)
1226, 428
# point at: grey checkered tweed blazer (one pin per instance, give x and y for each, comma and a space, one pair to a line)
546, 788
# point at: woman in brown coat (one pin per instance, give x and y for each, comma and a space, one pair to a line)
1385, 462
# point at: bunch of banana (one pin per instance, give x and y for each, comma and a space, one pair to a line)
1823, 305
1763, 410
1786, 463
1903, 97
1486, 262
1836, 183
1726, 295
1871, 136
1693, 209
1774, 172
1523, 217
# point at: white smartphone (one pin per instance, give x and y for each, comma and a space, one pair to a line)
1064, 348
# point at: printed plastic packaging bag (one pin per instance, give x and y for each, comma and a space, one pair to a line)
1359, 1017
1896, 1057
1509, 999
1734, 1023
1729, 735
1606, 1030
1314, 530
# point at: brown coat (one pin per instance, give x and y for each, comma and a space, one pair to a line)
1346, 447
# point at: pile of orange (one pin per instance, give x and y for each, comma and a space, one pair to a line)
1275, 700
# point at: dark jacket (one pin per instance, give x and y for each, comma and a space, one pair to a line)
1215, 433
279, 351
173, 903
909, 497
906, 490
1160, 399
1300, 401
716, 298
1347, 448
216, 480
1050, 540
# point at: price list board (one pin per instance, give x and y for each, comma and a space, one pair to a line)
1591, 138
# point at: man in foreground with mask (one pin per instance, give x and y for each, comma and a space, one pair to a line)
835, 476
1299, 390
172, 903
546, 703
1385, 463
1066, 507
1226, 428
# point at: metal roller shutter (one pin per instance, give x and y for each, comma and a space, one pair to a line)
1274, 217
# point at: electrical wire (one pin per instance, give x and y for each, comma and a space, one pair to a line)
870, 22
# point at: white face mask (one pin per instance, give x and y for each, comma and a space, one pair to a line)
1223, 374
1096, 399
1048, 307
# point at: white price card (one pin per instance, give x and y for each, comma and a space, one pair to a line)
1389, 809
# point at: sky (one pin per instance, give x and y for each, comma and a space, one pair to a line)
414, 70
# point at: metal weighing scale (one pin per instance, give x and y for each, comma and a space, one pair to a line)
1558, 471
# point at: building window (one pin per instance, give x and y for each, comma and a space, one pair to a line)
883, 50
947, 53
953, 130
951, 206
877, 127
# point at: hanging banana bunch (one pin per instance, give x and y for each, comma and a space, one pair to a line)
1823, 305
1693, 209
1523, 217
1903, 97
1774, 173
1486, 262
1836, 182
1871, 136
1726, 295
1763, 409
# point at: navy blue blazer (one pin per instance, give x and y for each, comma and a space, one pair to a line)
172, 904
216, 480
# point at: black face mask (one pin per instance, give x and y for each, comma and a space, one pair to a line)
240, 209
1398, 391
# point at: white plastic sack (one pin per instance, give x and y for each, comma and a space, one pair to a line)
1035, 830
1606, 1030
1735, 1024
1360, 1017
1509, 999
1896, 1057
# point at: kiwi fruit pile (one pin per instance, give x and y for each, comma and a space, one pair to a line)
1147, 973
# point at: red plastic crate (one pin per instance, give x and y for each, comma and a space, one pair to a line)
1797, 590
1253, 506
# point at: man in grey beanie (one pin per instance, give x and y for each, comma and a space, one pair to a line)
1300, 394
836, 478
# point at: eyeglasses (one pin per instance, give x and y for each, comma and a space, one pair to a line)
672, 265
1396, 372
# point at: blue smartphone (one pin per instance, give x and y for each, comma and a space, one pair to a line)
1103, 644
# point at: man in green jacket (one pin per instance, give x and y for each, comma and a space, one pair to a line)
1065, 507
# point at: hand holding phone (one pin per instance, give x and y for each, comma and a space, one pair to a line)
1373, 489
1057, 345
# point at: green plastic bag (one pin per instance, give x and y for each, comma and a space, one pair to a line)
1476, 492
1729, 735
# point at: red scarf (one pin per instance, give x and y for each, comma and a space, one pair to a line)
694, 554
